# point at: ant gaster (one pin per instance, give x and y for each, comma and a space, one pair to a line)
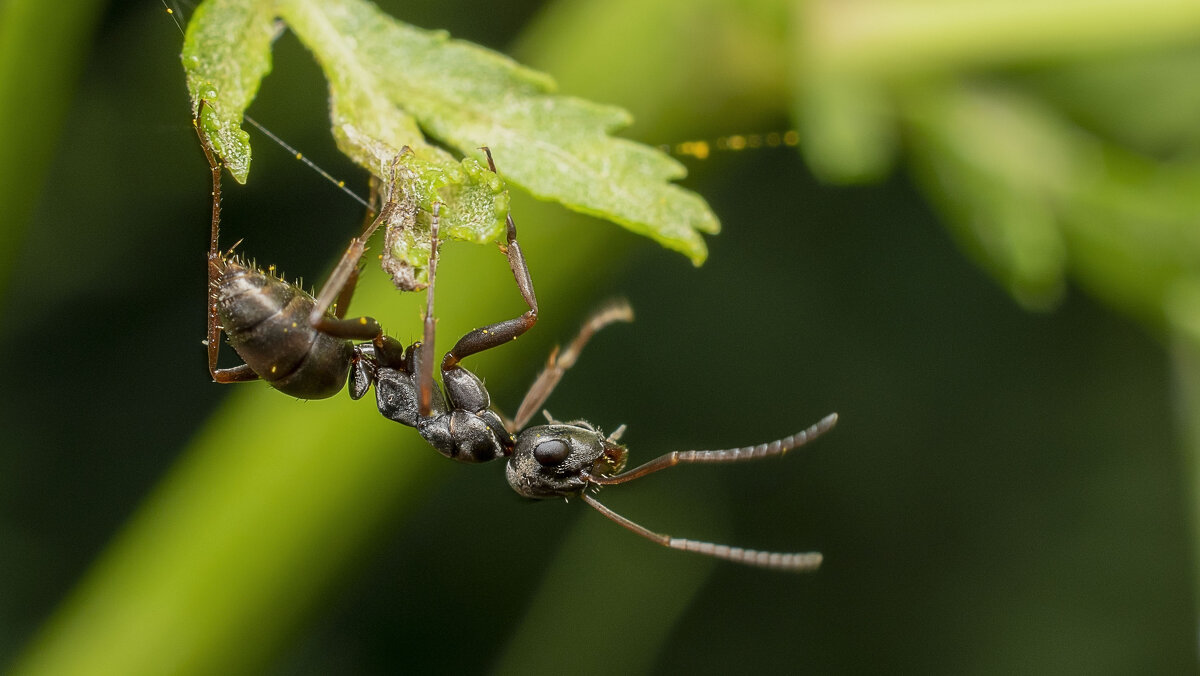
303, 346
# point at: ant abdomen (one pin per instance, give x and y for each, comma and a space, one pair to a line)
267, 322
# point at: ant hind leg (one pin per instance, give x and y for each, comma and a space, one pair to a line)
216, 261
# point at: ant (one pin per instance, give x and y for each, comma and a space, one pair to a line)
304, 346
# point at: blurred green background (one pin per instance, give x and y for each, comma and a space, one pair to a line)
1010, 489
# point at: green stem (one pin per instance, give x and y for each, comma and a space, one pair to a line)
41, 50
1183, 311
880, 37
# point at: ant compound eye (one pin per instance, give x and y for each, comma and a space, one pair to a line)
551, 452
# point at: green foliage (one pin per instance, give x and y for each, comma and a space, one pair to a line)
33, 103
1060, 140
226, 53
1086, 165
1054, 160
391, 84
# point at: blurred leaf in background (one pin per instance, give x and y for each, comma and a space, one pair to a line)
1019, 121
1004, 494
33, 103
1058, 140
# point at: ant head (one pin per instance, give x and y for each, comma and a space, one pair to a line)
559, 459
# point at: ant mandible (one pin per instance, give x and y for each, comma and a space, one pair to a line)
303, 346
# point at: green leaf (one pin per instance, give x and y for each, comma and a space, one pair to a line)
226, 54
848, 128
1001, 170
465, 96
373, 129
391, 83
474, 205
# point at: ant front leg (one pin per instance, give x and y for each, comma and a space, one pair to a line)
461, 425
425, 402
496, 334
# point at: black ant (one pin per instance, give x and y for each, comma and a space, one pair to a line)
302, 345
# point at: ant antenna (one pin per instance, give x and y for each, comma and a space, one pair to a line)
794, 562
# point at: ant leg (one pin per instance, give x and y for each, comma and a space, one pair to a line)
516, 259
238, 374
559, 362
426, 363
339, 289
342, 304
216, 263
501, 332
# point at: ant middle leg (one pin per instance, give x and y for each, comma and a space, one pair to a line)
613, 311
